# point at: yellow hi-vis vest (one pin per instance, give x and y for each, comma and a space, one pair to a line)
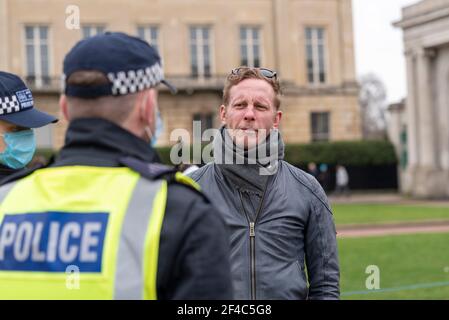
81, 232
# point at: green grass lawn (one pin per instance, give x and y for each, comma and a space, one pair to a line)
420, 260
379, 213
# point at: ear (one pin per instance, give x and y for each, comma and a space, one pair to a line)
277, 119
223, 114
64, 107
146, 105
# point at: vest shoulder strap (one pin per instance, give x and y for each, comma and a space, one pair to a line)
26, 172
151, 171
155, 171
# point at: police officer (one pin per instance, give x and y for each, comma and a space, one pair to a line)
17, 118
105, 220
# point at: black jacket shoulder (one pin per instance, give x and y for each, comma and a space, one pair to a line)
194, 260
194, 248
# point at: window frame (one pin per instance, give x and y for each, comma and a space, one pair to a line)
248, 42
315, 42
39, 79
204, 117
315, 133
199, 44
91, 26
147, 32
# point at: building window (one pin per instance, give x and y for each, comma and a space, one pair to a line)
206, 121
150, 34
92, 30
200, 60
37, 55
315, 49
250, 47
320, 126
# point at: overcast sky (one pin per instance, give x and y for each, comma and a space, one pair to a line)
379, 45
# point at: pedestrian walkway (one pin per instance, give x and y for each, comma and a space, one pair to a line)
358, 231
384, 198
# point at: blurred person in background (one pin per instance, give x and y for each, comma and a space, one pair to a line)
313, 170
323, 176
342, 181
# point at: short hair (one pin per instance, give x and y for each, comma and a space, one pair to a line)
112, 108
244, 73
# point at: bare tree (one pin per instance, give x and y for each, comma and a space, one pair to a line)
373, 103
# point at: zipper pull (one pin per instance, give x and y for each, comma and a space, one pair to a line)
252, 231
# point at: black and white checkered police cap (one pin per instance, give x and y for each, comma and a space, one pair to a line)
17, 104
130, 64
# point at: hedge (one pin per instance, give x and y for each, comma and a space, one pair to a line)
355, 153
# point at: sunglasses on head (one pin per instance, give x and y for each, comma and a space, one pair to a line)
267, 73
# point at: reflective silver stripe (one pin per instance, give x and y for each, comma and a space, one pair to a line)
4, 190
129, 276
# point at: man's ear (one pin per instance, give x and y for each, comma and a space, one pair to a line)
223, 114
64, 107
146, 105
277, 119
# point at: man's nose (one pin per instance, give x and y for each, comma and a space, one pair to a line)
249, 113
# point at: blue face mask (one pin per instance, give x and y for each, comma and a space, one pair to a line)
20, 148
158, 130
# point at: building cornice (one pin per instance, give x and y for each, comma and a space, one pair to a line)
351, 88
422, 18
189, 85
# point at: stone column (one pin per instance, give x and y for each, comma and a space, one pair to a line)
426, 121
4, 39
412, 112
280, 12
347, 59
441, 93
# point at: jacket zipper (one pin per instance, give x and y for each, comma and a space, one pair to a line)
252, 241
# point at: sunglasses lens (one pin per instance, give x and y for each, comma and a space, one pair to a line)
267, 73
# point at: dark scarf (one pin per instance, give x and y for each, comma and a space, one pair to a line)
251, 168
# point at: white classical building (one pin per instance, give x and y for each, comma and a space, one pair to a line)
426, 39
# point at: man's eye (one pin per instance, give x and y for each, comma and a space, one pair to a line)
261, 107
239, 105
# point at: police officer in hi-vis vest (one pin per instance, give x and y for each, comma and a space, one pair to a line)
105, 210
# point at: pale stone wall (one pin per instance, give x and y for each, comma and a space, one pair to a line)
282, 24
177, 111
344, 117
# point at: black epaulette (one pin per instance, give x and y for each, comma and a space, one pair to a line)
26, 171
150, 171
21, 174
